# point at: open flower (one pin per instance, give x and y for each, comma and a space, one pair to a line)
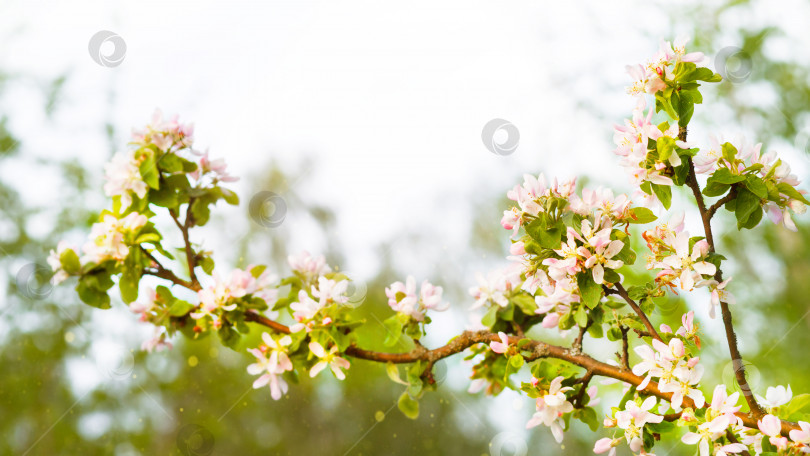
123, 175
706, 433
551, 407
683, 382
331, 359
685, 262
776, 396
633, 418
402, 298
269, 375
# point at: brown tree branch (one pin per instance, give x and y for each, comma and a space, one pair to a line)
731, 337
537, 349
729, 196
650, 328
184, 227
166, 274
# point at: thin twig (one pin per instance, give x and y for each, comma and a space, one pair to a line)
650, 328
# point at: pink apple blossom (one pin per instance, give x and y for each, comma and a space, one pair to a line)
122, 176
801, 436
330, 359
502, 346
633, 418
551, 407
770, 426
706, 434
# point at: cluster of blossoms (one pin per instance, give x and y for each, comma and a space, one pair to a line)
317, 292
653, 76
643, 163
403, 299
677, 372
109, 239
533, 197
497, 286
223, 294
685, 259
741, 160
589, 247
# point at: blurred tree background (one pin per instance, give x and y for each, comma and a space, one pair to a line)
74, 382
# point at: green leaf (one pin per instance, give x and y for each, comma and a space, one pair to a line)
230, 197
525, 303
70, 261
581, 317
491, 317
589, 417
228, 336
614, 334
724, 176
128, 284
685, 111
170, 163
393, 328
747, 203
180, 308
148, 237
90, 295
714, 188
729, 151
149, 171
591, 291
207, 264
756, 186
408, 406
797, 404
626, 254
642, 215
200, 211
664, 194
393, 373
791, 192
549, 237
705, 74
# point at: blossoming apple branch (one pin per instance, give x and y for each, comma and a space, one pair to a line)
570, 253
